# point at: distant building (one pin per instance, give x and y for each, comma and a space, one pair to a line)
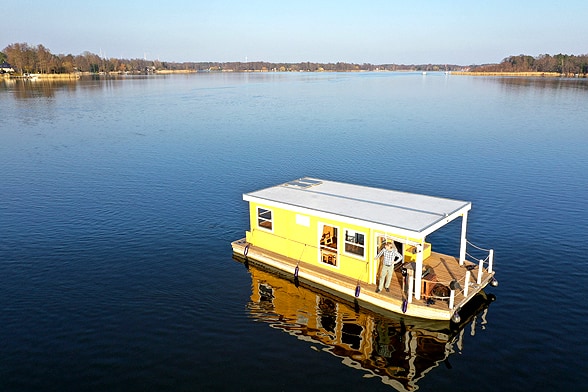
6, 68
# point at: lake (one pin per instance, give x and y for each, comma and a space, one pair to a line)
119, 199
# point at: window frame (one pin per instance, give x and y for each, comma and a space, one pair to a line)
326, 249
346, 242
261, 218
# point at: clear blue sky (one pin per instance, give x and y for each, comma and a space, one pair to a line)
377, 32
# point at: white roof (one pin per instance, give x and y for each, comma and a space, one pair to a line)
408, 213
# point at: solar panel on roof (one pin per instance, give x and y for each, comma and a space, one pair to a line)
303, 183
310, 181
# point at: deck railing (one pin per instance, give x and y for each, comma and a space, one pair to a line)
487, 260
463, 286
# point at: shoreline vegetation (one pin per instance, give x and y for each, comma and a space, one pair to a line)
528, 74
78, 75
21, 60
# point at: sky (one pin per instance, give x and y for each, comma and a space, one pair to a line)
376, 31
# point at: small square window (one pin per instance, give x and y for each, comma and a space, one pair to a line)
264, 218
355, 243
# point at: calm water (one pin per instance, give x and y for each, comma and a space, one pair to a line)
119, 198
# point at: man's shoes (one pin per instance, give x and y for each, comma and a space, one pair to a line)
377, 290
387, 289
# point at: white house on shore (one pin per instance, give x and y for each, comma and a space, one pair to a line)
6, 68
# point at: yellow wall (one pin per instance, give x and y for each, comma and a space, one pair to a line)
301, 242
410, 255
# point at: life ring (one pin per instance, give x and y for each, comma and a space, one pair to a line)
246, 250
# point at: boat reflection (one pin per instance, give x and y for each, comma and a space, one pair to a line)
398, 350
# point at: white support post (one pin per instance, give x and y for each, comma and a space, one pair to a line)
462, 248
490, 260
480, 270
466, 289
418, 273
451, 299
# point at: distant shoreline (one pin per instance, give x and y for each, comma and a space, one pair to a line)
529, 74
77, 75
43, 76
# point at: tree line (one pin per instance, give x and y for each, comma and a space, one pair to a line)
559, 63
25, 58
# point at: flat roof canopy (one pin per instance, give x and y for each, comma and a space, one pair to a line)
410, 213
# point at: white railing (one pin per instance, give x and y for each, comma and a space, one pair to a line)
488, 260
463, 285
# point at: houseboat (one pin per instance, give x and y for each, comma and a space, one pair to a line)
331, 234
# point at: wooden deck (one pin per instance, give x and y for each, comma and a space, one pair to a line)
445, 268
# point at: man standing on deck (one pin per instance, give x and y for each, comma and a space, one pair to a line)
391, 257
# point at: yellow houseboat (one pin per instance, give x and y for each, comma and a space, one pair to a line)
332, 234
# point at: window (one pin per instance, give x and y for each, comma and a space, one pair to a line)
264, 218
355, 243
328, 245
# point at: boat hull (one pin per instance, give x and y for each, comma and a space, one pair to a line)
361, 293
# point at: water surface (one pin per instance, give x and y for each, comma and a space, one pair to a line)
120, 197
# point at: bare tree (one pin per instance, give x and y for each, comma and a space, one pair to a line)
44, 59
